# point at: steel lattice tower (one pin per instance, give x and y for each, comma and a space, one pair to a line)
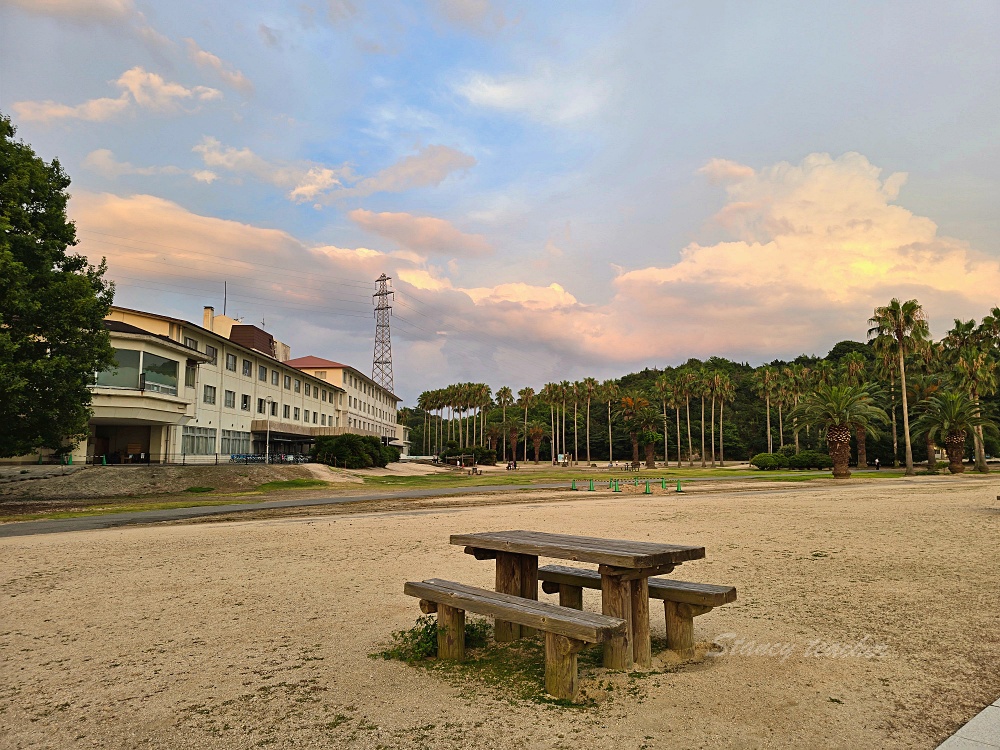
382, 361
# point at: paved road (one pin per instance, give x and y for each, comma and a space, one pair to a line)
110, 520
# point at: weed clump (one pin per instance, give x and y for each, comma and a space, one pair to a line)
420, 642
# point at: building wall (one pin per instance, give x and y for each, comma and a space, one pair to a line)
368, 407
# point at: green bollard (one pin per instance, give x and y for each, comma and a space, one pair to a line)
663, 484
591, 485
648, 491
104, 460
635, 482
70, 459
617, 488
679, 486
573, 485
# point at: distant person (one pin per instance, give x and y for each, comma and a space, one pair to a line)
878, 464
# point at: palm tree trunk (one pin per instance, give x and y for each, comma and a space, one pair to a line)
781, 429
795, 425
954, 446
525, 434
931, 460
505, 433
690, 446
611, 452
722, 454
713, 432
576, 444
562, 444
862, 437
552, 425
678, 411
703, 432
906, 417
895, 432
666, 450
770, 444
977, 437
588, 430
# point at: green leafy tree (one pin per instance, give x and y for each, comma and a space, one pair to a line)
838, 408
52, 308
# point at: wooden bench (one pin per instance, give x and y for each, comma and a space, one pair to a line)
682, 601
566, 630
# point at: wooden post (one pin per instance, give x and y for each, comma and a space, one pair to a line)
570, 596
642, 650
616, 601
451, 632
529, 586
508, 582
561, 678
680, 626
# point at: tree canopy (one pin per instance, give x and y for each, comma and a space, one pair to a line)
52, 307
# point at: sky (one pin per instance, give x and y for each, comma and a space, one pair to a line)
558, 190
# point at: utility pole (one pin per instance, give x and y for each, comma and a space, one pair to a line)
382, 361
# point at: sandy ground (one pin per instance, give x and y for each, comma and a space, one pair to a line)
257, 633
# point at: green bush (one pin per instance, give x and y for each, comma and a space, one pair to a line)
787, 450
420, 641
769, 461
354, 451
810, 460
484, 456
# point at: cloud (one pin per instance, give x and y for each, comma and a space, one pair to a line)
139, 88
475, 15
103, 162
224, 71
102, 11
425, 235
308, 181
723, 170
547, 95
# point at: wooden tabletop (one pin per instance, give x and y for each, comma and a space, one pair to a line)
620, 553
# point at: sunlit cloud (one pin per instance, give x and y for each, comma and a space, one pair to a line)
546, 95
424, 235
140, 88
204, 59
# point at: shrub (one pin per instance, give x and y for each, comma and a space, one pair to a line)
420, 641
354, 451
787, 450
810, 460
484, 456
769, 461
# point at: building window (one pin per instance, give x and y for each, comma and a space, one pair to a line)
231, 362
288, 382
284, 411
274, 377
308, 389
209, 394
274, 408
190, 373
296, 414
298, 385
125, 373
213, 354
247, 368
314, 417
261, 406
230, 399
322, 420
245, 402
324, 396
262, 373
321, 374
190, 343
305, 416
198, 441
234, 442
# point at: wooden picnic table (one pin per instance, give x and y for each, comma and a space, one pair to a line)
625, 567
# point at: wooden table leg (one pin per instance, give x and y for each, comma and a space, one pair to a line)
529, 586
642, 650
616, 598
509, 568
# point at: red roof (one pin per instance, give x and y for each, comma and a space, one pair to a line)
311, 362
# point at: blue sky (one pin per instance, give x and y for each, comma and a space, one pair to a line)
558, 189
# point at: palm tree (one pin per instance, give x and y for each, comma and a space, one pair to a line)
505, 398
610, 390
763, 378
685, 383
564, 392
703, 386
675, 400
725, 392
854, 365
664, 387
536, 433
589, 387
920, 389
550, 395
629, 410
906, 325
796, 378
886, 366
838, 408
511, 427
646, 419
525, 399
968, 350
575, 392
952, 415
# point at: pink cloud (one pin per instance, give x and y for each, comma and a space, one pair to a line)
424, 235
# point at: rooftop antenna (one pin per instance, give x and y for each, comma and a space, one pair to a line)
382, 361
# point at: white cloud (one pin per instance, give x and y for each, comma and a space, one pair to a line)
140, 88
545, 95
224, 71
475, 15
424, 235
103, 162
309, 181
78, 10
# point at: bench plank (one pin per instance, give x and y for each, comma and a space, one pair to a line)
686, 592
616, 552
571, 623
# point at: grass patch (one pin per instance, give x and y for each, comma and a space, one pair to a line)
105, 509
199, 489
293, 484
